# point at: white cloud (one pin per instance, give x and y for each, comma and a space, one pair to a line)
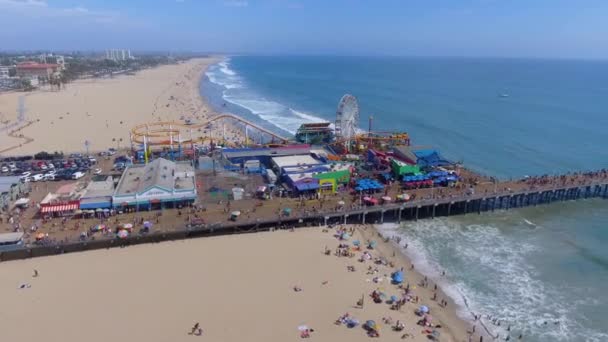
236, 3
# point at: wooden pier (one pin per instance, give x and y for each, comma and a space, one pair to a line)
394, 212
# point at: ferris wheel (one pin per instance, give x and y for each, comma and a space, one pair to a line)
347, 117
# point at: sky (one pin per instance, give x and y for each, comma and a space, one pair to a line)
477, 28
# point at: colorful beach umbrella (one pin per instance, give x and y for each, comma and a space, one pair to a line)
123, 234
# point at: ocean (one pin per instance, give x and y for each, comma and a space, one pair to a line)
502, 117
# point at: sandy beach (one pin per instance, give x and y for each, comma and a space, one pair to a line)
238, 287
103, 111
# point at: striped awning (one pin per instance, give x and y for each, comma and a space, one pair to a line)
59, 207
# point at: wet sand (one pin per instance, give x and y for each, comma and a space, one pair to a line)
238, 287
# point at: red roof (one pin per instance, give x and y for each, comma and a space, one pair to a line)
34, 65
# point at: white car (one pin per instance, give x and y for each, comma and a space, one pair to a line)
4, 169
92, 160
37, 177
77, 175
50, 166
97, 171
25, 174
12, 165
49, 175
43, 167
26, 179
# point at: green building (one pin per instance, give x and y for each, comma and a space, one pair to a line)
402, 169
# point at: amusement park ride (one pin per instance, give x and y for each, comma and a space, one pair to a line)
344, 138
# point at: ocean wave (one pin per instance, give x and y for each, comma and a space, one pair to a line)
488, 274
222, 75
238, 93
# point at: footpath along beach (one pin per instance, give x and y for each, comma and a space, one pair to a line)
103, 111
262, 287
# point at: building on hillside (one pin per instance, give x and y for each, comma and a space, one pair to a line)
159, 184
33, 70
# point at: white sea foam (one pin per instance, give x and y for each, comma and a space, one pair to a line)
237, 93
488, 274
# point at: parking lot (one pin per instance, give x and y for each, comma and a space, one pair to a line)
56, 167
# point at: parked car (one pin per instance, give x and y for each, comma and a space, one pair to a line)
97, 171
25, 174
119, 166
92, 160
77, 175
4, 169
49, 177
37, 177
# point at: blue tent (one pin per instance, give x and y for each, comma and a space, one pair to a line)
397, 277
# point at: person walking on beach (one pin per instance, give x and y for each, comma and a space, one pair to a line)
196, 329
35, 273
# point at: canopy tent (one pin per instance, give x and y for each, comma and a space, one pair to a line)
430, 158
22, 202
53, 208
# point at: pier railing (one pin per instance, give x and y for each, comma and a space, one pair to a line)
391, 212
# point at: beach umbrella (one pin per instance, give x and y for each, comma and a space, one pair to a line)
352, 322
98, 227
127, 225
302, 327
236, 213
423, 309
98, 210
123, 234
386, 198
147, 224
341, 203
344, 236
366, 198
394, 299
78, 212
39, 236
371, 325
106, 210
356, 243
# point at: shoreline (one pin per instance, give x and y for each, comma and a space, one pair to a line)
458, 325
165, 93
456, 310
328, 289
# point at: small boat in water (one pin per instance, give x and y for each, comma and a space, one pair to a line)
504, 95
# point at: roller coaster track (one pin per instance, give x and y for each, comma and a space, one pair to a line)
165, 129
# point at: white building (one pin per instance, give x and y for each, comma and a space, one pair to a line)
161, 183
118, 54
4, 72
